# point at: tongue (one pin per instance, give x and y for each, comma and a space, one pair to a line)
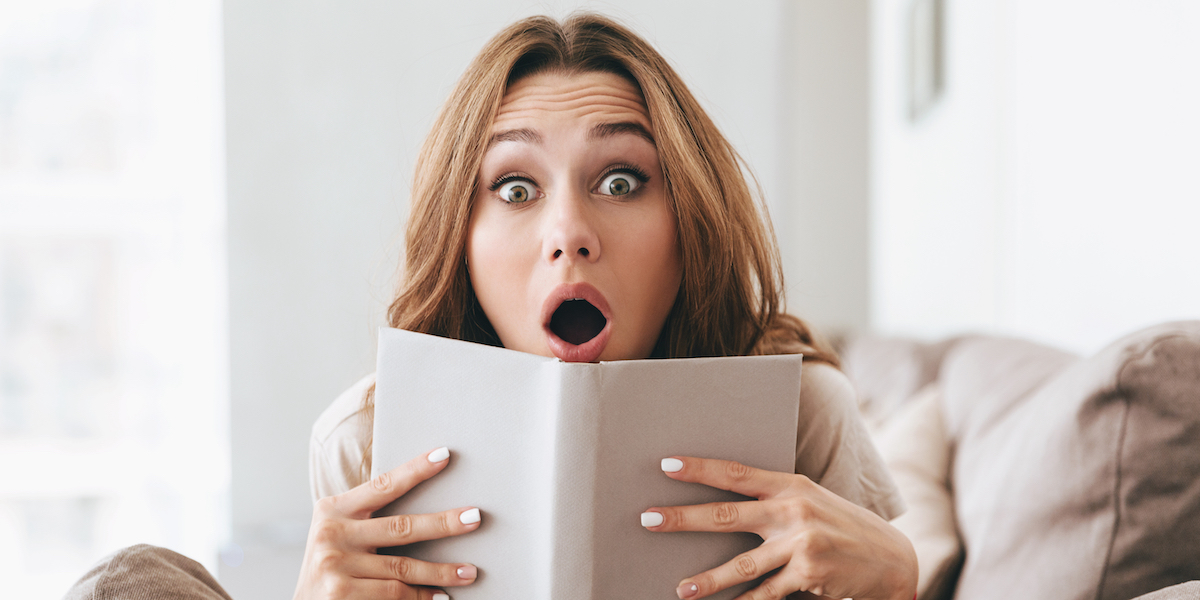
577, 321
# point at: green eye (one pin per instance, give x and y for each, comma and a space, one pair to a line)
516, 192
619, 184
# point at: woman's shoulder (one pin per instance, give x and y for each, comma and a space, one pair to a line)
343, 412
822, 384
338, 459
832, 444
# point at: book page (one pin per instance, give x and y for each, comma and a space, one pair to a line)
494, 409
742, 409
562, 458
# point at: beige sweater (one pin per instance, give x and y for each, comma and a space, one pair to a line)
832, 445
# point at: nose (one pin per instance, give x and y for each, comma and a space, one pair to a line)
571, 232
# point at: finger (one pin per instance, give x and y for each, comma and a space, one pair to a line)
380, 589
750, 516
386, 487
399, 530
409, 570
747, 566
727, 475
775, 587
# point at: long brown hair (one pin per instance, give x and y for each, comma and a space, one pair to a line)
730, 300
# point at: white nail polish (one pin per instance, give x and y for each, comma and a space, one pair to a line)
469, 516
652, 519
672, 465
439, 455
440, 596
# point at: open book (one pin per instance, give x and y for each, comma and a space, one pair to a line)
562, 458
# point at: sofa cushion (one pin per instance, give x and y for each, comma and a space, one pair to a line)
1182, 591
1076, 478
896, 383
913, 445
887, 372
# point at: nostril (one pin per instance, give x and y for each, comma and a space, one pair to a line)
557, 253
583, 251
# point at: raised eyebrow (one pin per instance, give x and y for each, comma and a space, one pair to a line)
604, 130
515, 135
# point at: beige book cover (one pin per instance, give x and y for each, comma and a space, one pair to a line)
562, 458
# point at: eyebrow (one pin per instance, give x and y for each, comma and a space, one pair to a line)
605, 130
516, 135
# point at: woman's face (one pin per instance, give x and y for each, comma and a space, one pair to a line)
572, 247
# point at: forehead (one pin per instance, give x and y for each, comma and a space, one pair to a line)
580, 97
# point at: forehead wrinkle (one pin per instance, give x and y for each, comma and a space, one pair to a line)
585, 104
590, 99
551, 92
592, 113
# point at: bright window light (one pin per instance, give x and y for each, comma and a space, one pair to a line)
113, 392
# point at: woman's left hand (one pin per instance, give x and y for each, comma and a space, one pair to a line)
820, 542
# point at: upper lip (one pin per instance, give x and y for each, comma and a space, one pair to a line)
574, 291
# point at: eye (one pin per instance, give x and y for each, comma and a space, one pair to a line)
619, 184
517, 191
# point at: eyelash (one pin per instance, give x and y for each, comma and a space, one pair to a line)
637, 173
507, 177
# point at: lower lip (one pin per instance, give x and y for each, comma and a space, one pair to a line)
588, 351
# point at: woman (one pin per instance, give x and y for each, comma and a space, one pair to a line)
573, 200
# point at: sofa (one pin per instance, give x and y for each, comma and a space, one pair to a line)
1034, 472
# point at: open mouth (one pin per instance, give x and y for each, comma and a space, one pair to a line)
577, 322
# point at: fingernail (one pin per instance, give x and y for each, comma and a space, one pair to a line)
672, 465
468, 572
652, 519
438, 456
441, 596
685, 590
469, 516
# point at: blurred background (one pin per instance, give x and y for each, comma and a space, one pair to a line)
201, 207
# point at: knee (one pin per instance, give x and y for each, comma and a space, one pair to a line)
147, 571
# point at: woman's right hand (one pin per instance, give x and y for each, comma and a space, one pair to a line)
340, 560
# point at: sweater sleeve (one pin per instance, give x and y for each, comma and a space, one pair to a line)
833, 447
338, 445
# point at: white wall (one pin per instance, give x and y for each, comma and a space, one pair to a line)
821, 216
935, 190
327, 104
1052, 194
1103, 208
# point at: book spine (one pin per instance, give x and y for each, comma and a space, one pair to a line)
572, 527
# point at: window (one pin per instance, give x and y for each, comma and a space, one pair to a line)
113, 400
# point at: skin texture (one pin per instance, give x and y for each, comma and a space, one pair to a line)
572, 228
566, 141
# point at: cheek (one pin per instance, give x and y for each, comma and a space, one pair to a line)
663, 233
485, 258
499, 269
670, 269
658, 267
